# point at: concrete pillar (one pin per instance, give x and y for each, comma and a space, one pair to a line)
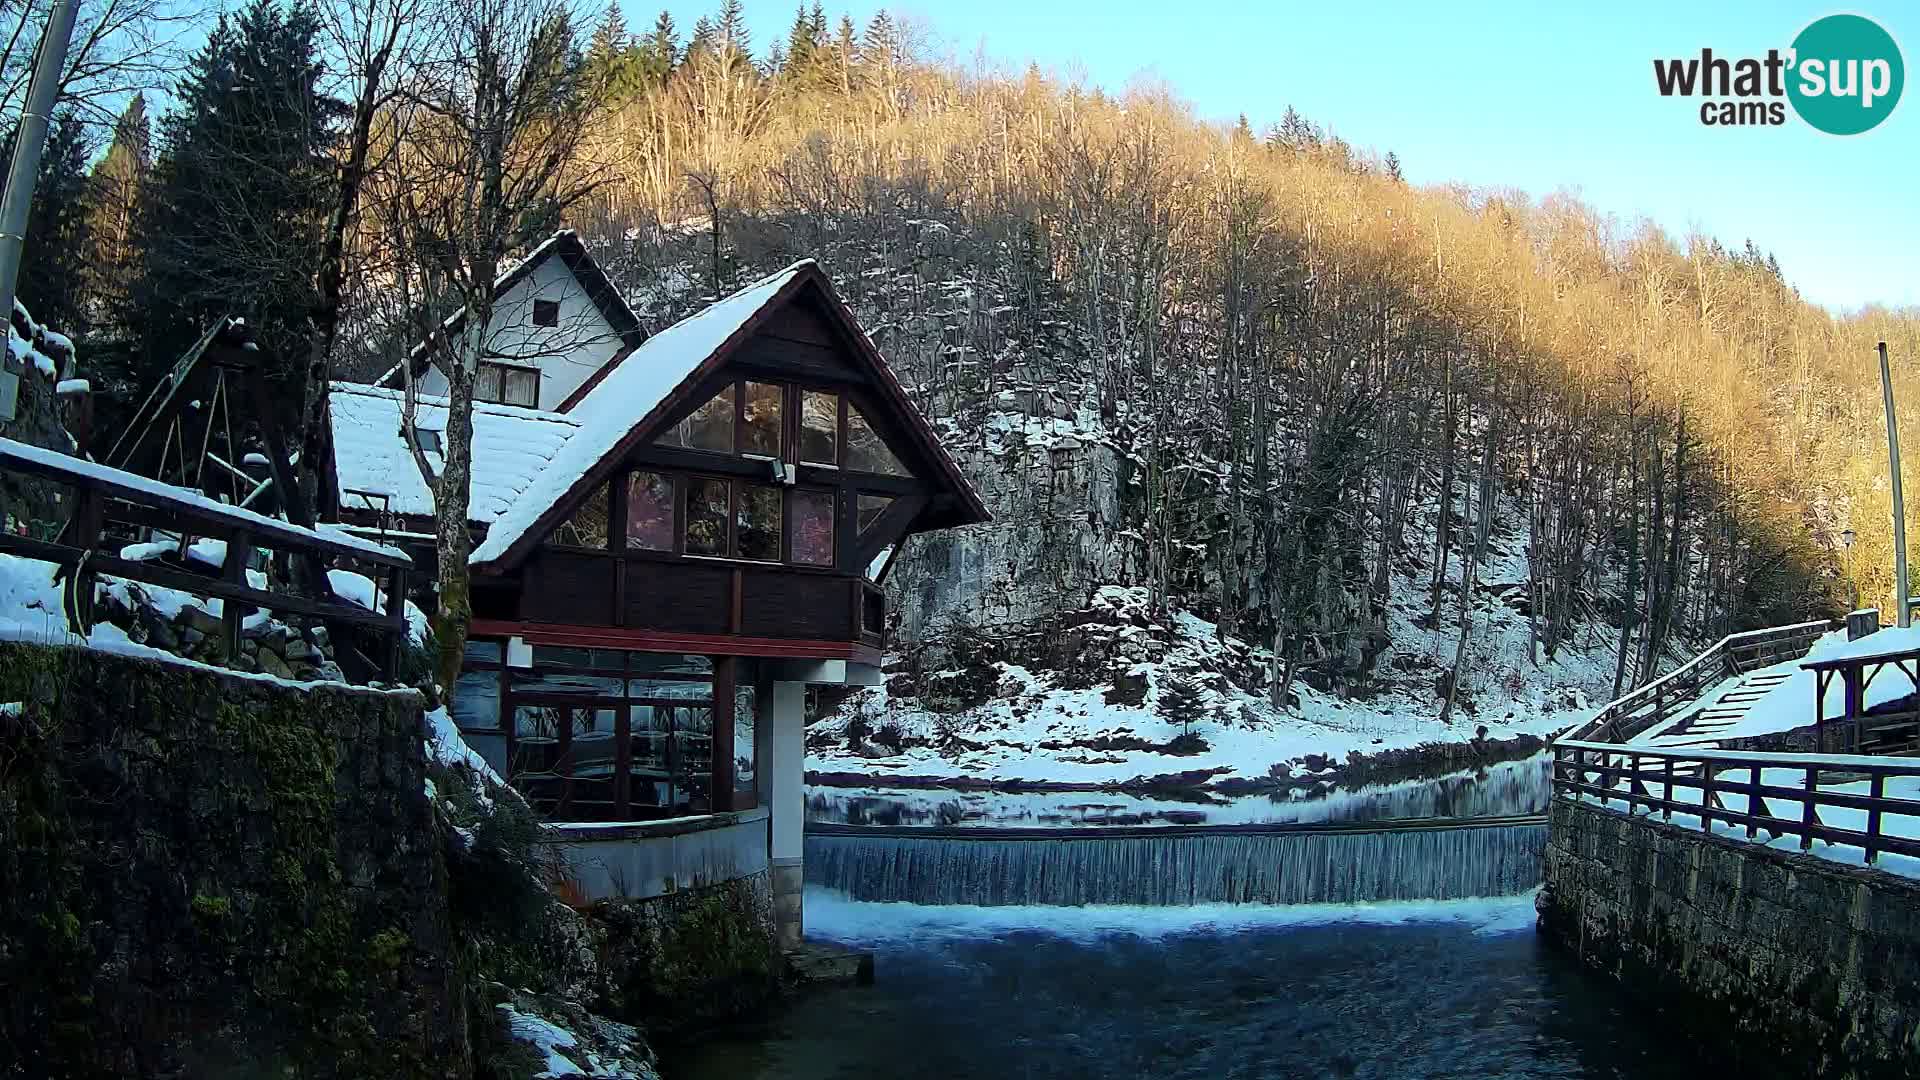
781, 745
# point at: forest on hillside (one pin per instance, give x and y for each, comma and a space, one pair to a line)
1251, 370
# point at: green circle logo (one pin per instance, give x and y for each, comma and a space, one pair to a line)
1847, 74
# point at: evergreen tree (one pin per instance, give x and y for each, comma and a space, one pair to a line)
732, 27
804, 40
239, 195
706, 38
53, 259
113, 193
613, 59
660, 52
1243, 131
1393, 167
845, 51
1180, 703
881, 45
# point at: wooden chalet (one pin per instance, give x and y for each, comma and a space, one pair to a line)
693, 530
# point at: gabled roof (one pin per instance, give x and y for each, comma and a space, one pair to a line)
633, 395
512, 447
566, 246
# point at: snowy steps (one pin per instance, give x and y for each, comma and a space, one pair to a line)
1699, 730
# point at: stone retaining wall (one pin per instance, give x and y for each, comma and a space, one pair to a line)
213, 876
1792, 964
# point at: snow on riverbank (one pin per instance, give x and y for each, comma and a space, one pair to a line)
1035, 727
832, 916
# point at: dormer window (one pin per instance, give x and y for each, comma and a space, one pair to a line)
546, 313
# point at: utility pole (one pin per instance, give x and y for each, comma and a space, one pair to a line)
1899, 504
29, 139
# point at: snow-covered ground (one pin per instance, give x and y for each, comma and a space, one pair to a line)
1035, 728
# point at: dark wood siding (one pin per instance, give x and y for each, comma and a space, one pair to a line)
568, 587
765, 352
800, 322
781, 604
684, 597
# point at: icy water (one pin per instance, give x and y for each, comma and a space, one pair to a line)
1453, 989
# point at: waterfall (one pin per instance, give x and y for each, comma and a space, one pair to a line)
1182, 866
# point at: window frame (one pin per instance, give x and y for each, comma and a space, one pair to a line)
545, 307
792, 425
505, 369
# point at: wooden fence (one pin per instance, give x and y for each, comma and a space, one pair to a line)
1732, 655
1732, 787
104, 497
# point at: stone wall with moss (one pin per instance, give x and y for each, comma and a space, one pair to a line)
692, 958
212, 876
1783, 964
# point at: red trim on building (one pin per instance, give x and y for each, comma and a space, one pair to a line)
614, 637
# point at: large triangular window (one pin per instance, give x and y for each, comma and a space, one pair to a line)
866, 450
709, 427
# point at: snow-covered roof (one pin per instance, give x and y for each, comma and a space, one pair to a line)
627, 393
512, 449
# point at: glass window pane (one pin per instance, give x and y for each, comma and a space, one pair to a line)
819, 427
522, 388
671, 689
760, 425
588, 525
563, 682
759, 522
670, 662
649, 511
813, 528
538, 723
476, 700
866, 450
706, 516
711, 425
486, 383
870, 509
569, 656
744, 705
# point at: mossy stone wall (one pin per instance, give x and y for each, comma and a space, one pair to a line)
213, 876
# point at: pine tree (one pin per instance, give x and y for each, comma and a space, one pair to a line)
612, 59
732, 28
1180, 703
113, 193
1392, 166
845, 51
52, 276
881, 45
239, 195
706, 38
803, 41
660, 52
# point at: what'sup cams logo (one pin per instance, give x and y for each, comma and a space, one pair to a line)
1843, 75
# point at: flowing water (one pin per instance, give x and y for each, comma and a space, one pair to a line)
1460, 989
1168, 867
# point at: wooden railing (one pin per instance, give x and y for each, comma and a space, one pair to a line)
102, 497
1731, 787
1732, 655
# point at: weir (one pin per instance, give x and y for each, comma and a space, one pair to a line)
1166, 866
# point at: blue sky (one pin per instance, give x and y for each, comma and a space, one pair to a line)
1532, 96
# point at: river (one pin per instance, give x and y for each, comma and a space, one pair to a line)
1407, 976
1451, 989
